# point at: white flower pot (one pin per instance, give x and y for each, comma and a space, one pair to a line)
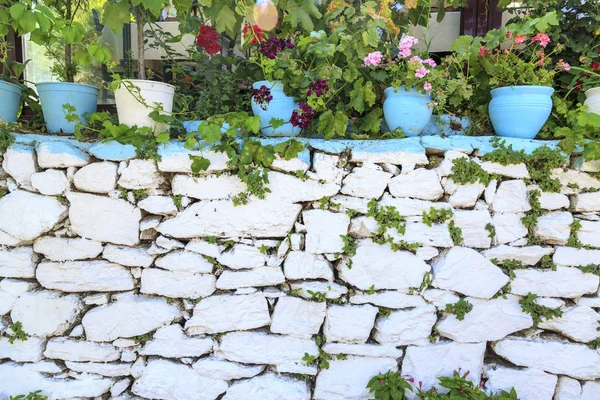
592, 100
132, 110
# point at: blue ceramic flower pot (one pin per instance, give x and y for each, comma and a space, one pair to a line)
281, 107
10, 101
53, 95
520, 111
407, 109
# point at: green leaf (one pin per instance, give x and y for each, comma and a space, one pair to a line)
199, 164
163, 137
362, 94
16, 10
252, 124
276, 122
115, 15
225, 20
28, 21
210, 132
331, 124
288, 149
462, 44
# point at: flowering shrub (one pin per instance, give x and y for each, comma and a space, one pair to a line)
208, 38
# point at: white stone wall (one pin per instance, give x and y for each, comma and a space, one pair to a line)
124, 300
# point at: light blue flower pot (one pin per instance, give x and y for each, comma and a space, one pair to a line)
520, 111
409, 110
281, 107
10, 101
54, 94
448, 125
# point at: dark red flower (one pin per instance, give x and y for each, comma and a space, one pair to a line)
318, 88
302, 117
262, 96
187, 79
208, 38
595, 64
253, 34
273, 45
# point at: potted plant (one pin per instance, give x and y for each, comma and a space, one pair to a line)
408, 101
69, 45
22, 18
136, 99
588, 81
521, 75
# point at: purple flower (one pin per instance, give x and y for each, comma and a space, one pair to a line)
262, 96
273, 45
302, 117
318, 88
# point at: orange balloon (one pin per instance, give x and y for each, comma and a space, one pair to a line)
265, 15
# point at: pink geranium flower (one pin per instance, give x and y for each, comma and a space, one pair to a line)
542, 38
416, 58
520, 39
427, 86
430, 62
373, 58
422, 72
405, 44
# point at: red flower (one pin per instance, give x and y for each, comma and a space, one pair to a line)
508, 34
208, 38
595, 64
520, 39
253, 34
542, 38
484, 52
187, 79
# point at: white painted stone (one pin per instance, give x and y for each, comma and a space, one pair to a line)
586, 202
593, 301
263, 276
421, 184
550, 302
259, 218
349, 324
99, 177
177, 284
565, 282
63, 249
268, 387
530, 255
29, 350
426, 253
589, 233
140, 174
210, 187
16, 287
362, 227
184, 261
554, 227
466, 195
326, 168
347, 379
411, 207
45, 313
571, 256
159, 205
488, 320
242, 257
297, 317
104, 219
490, 191
517, 171
171, 342
25, 215
511, 197
364, 350
176, 158
114, 320
18, 379
261, 348
367, 183
388, 299
553, 201
60, 155
119, 387
332, 290
203, 247
351, 203
19, 162
508, 227
529, 383
439, 298
301, 265
168, 380
472, 224
150, 222
84, 276
111, 370
17, 263
225, 370
579, 323
451, 269
324, 229
406, 327
225, 313
570, 176
574, 360
51, 182
168, 244
567, 389
393, 270
436, 235
127, 256
286, 188
590, 390
79, 350
426, 363
406, 152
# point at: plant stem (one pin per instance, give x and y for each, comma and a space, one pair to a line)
68, 49
139, 19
